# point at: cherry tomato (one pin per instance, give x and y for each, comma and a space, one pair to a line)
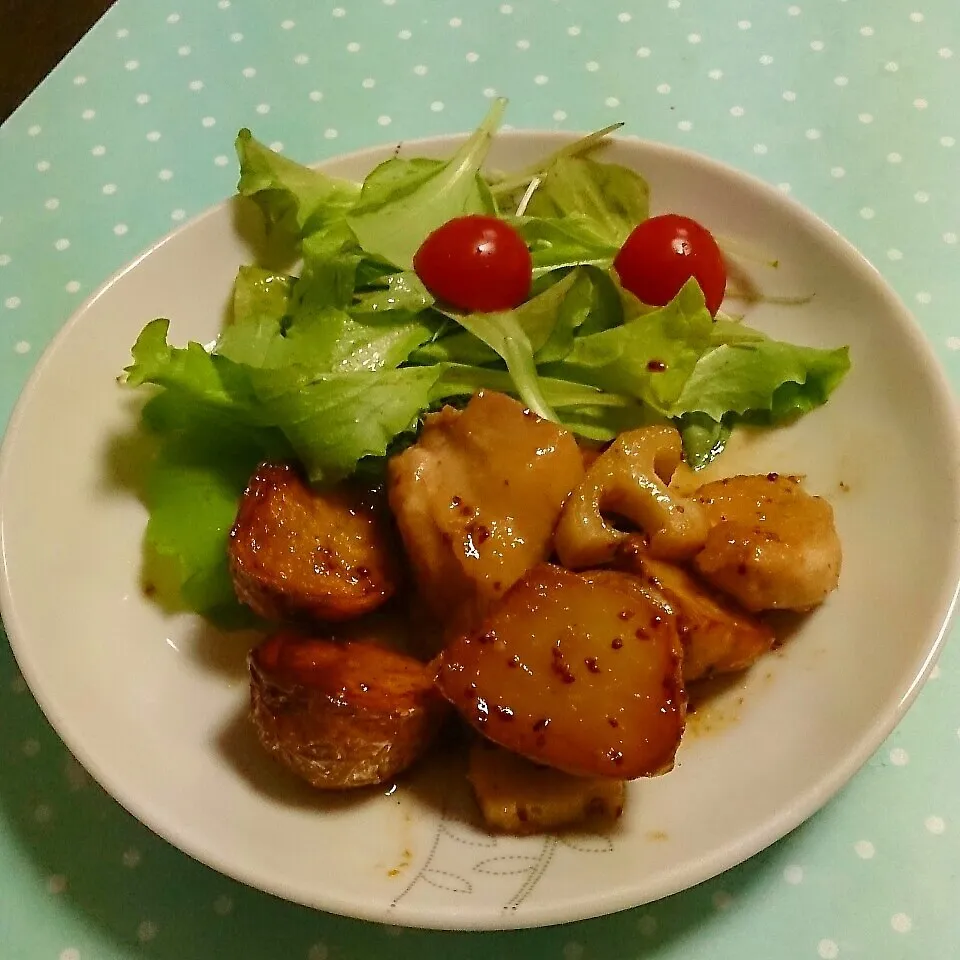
663, 253
476, 263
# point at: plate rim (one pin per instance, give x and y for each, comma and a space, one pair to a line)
681, 878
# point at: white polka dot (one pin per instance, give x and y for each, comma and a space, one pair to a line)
185, 51
673, 4
573, 31
685, 125
760, 148
263, 108
276, 146
898, 756
643, 52
837, 172
88, 114
865, 117
131, 857
249, 72
436, 106
592, 66
559, 115
891, 66
624, 17
841, 81
947, 141
921, 196
316, 95
108, 189
420, 70
353, 47
489, 92
42, 813
99, 150
165, 175
331, 133
43, 166
11, 303
147, 931
935, 824
935, 672
694, 38
789, 96
784, 187
828, 950
612, 102
945, 52
208, 121
647, 925
916, 17
506, 8
950, 237
143, 99
868, 213
894, 158
173, 18
472, 57
663, 88
221, 160
812, 134
523, 44
368, 83
455, 22
722, 900
793, 11
34, 130
766, 60
920, 103
120, 229
816, 45
72, 286
715, 74
70, 953
131, 65
924, 297
234, 38
866, 31
793, 874
30, 746
18, 684
744, 24
572, 950
62, 244
953, 343
178, 214
384, 120
287, 24
338, 12
318, 951
223, 4
56, 883
404, 34
737, 111
122, 33
79, 81
52, 203
901, 923
4, 259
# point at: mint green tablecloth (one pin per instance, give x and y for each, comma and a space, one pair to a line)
850, 106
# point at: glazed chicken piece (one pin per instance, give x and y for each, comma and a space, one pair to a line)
717, 635
296, 551
771, 545
477, 498
580, 672
342, 715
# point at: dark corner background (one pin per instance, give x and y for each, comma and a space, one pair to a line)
35, 35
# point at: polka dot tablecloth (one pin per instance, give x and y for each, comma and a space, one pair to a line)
849, 105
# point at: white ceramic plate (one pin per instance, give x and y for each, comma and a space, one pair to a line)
153, 706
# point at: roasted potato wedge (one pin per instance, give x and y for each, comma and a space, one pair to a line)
342, 715
771, 546
518, 796
476, 499
578, 675
297, 551
717, 635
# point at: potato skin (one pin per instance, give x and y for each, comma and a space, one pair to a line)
578, 675
342, 715
520, 797
295, 551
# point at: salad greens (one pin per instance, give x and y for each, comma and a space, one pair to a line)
338, 365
